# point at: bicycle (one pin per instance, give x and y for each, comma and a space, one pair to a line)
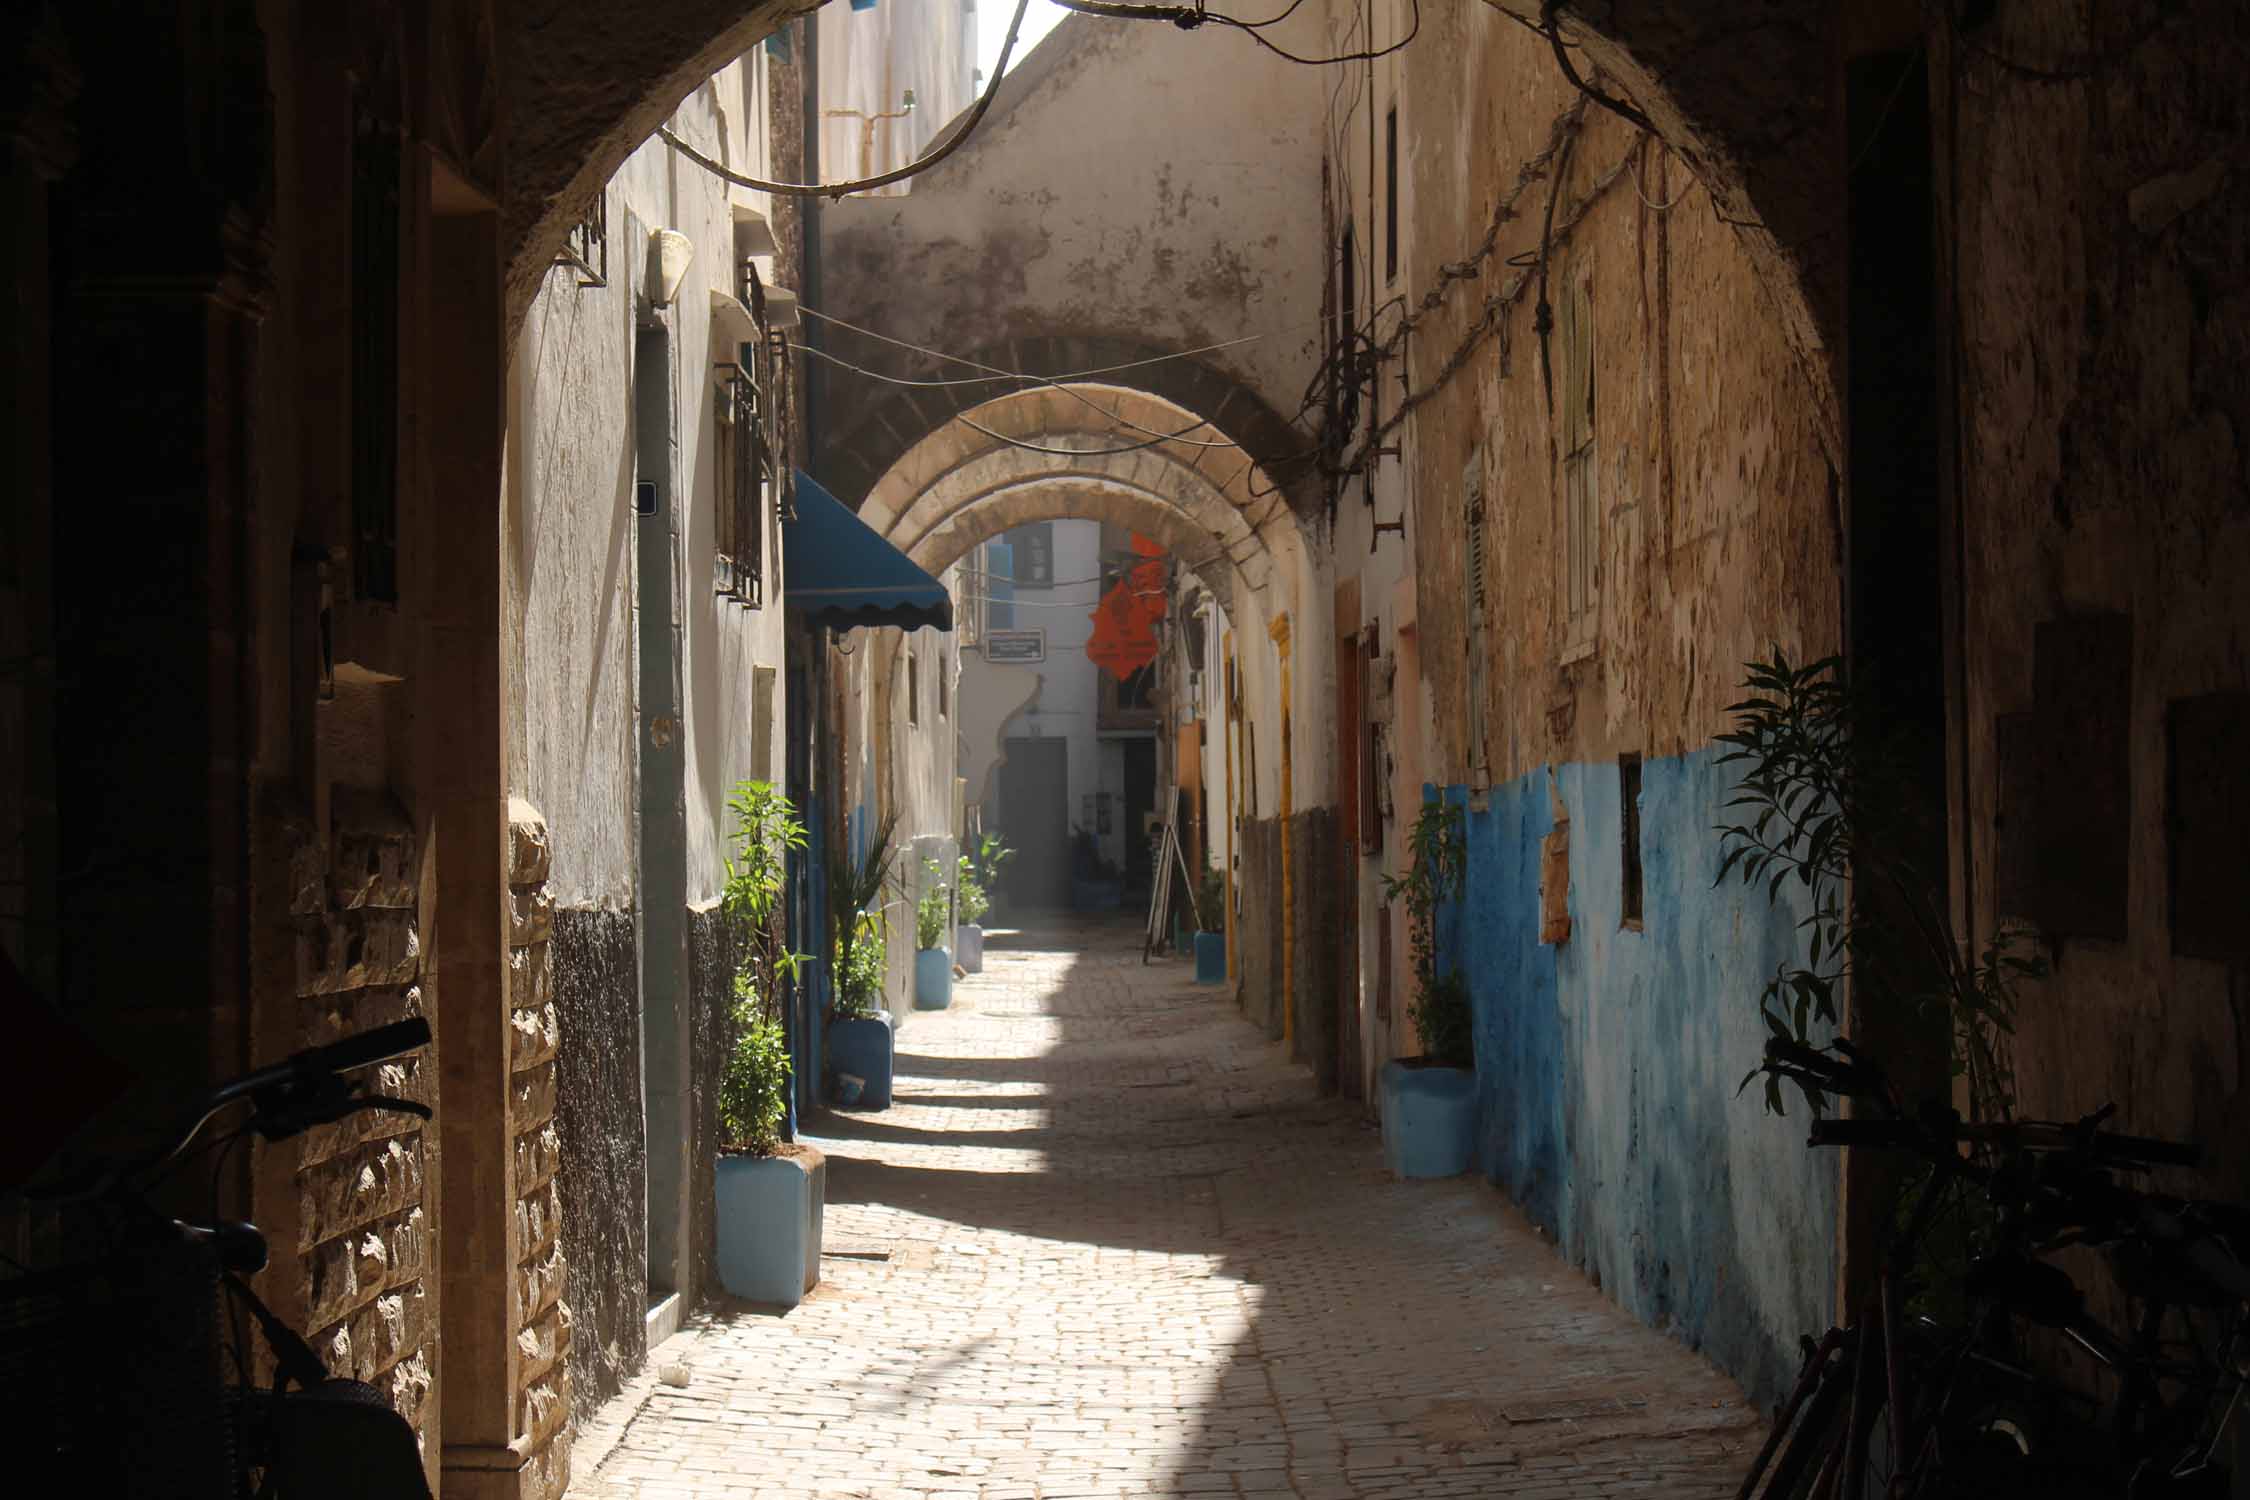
117, 1363
1892, 1406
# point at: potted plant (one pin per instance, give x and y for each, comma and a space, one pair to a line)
971, 902
1211, 928
1428, 1102
770, 1193
980, 877
991, 852
933, 966
861, 1049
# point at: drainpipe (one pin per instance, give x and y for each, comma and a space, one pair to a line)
808, 272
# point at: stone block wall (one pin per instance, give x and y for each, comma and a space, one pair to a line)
542, 1319
363, 1229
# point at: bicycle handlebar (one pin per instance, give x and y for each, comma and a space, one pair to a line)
2104, 1146
304, 1068
1887, 1135
379, 1045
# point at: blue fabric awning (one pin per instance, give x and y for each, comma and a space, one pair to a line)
842, 574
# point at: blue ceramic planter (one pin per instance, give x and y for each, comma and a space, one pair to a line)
864, 1048
933, 979
1210, 958
1429, 1120
769, 1213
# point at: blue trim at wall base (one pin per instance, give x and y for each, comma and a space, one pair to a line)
1608, 1065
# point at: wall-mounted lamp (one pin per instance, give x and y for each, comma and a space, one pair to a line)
669, 255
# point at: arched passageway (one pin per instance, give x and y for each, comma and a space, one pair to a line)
1129, 458
271, 644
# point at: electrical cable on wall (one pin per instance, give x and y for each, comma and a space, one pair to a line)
1055, 382
1058, 452
1119, 418
1193, 17
920, 164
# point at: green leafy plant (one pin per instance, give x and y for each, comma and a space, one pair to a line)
974, 903
1824, 804
933, 914
859, 971
990, 853
1438, 867
753, 1088
856, 933
1211, 902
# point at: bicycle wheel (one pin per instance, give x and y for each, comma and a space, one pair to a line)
1814, 1442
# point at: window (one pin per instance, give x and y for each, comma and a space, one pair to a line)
999, 586
913, 686
1390, 195
1034, 550
745, 474
944, 681
1475, 605
1574, 393
1629, 819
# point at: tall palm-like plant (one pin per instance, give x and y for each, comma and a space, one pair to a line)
853, 885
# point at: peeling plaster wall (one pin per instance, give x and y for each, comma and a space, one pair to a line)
2102, 230
572, 532
1208, 187
1607, 1063
573, 618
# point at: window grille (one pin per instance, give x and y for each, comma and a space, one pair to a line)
586, 248
1574, 327
744, 478
781, 411
376, 162
1475, 603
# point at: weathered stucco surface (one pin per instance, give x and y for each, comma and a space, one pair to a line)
2104, 327
1607, 1063
1208, 188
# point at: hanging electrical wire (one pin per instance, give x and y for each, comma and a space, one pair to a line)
920, 164
1059, 452
1488, 321
1119, 418
1193, 17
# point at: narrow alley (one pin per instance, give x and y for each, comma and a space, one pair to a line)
1108, 1242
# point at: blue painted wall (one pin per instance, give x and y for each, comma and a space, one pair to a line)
1607, 1065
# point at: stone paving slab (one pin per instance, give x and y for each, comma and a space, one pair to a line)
1108, 1242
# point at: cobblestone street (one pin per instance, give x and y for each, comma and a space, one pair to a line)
1108, 1242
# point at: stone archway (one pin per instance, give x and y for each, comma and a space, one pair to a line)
1080, 450
1740, 90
